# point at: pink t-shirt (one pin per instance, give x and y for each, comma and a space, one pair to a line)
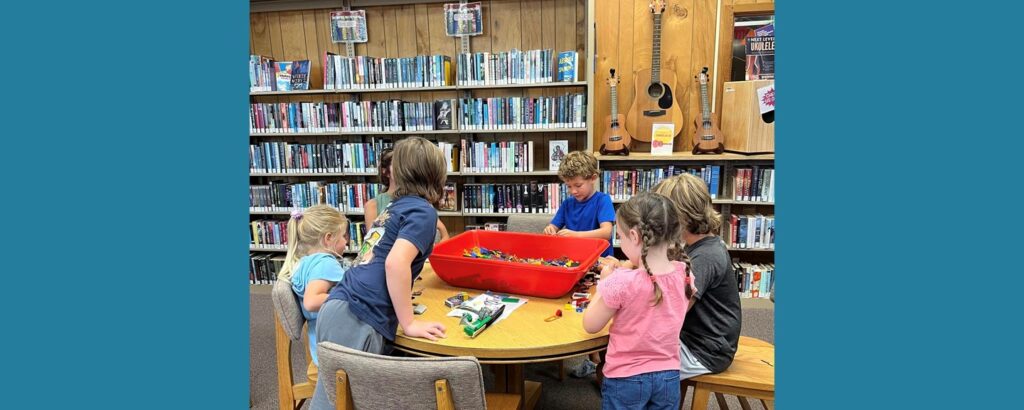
644, 338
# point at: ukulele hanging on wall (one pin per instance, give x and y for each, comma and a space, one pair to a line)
654, 101
707, 137
615, 138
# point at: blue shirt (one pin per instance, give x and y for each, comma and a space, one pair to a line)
365, 286
318, 266
587, 215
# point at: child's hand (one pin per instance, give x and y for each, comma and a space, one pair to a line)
427, 330
550, 230
568, 233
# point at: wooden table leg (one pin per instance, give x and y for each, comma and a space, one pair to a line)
509, 378
701, 394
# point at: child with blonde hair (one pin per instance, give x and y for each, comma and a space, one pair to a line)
649, 304
316, 238
374, 298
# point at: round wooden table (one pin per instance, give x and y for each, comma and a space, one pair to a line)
523, 337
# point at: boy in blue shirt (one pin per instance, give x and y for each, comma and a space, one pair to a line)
587, 213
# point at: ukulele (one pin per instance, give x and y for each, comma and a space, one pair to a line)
707, 137
616, 138
654, 101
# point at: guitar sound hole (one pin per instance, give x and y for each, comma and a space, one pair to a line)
655, 90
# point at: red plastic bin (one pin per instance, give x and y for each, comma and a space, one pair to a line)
509, 277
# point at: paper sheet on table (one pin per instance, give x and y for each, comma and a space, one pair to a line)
478, 302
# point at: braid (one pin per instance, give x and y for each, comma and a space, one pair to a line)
649, 240
685, 259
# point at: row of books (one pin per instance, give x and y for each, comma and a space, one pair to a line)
351, 116
754, 184
533, 197
513, 113
366, 73
263, 267
507, 67
280, 196
265, 74
289, 157
489, 226
356, 232
501, 156
623, 184
752, 231
755, 280
268, 233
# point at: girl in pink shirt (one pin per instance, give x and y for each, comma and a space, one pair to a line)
642, 364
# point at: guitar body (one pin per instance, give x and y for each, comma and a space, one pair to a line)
616, 138
707, 137
653, 103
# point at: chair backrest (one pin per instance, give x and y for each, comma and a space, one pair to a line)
528, 223
386, 382
286, 306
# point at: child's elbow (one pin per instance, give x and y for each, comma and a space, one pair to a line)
312, 305
591, 327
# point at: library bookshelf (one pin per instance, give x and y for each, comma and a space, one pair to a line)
299, 30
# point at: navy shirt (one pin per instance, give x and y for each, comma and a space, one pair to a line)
587, 215
365, 285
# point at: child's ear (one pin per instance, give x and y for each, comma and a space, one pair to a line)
634, 235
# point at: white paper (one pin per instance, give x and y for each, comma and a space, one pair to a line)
766, 98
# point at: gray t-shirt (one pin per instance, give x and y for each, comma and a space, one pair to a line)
712, 327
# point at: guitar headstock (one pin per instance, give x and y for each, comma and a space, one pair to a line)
612, 79
703, 76
657, 6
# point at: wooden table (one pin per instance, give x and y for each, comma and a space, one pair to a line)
523, 337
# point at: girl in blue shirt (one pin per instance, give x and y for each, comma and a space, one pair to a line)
316, 239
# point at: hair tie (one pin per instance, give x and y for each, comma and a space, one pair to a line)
652, 278
688, 280
297, 214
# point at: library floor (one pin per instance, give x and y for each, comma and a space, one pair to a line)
571, 394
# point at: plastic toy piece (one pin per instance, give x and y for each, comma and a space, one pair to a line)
558, 314
418, 309
473, 329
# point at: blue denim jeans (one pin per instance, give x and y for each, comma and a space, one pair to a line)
654, 390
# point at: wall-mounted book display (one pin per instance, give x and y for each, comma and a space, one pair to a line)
463, 19
348, 26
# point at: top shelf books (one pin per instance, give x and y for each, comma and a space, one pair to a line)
341, 74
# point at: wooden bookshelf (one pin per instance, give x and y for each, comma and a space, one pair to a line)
432, 132
285, 250
716, 201
684, 157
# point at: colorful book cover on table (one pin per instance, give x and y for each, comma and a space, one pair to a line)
300, 75
283, 73
567, 66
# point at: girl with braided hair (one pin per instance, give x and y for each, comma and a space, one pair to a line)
648, 303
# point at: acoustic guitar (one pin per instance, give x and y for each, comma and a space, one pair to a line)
654, 101
616, 138
707, 137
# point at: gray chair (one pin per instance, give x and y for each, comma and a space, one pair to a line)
528, 223
370, 381
288, 323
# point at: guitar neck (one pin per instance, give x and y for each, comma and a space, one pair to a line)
705, 110
615, 102
656, 54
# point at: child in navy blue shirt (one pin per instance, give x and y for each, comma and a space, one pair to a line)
375, 296
588, 213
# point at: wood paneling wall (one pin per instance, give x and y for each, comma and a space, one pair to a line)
624, 39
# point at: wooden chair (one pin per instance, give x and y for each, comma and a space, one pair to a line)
288, 328
751, 374
370, 381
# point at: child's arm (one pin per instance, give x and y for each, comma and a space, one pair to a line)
316, 294
443, 229
604, 232
597, 315
398, 268
370, 212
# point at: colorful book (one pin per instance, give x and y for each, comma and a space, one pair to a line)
283, 73
557, 150
567, 66
300, 75
662, 136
